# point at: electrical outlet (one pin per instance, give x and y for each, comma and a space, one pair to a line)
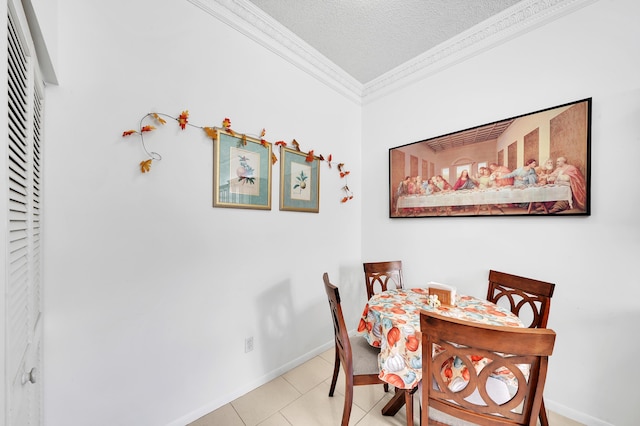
248, 344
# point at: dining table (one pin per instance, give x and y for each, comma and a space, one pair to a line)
391, 321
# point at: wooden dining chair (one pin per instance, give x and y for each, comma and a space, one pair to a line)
527, 298
483, 397
359, 359
378, 275
381, 274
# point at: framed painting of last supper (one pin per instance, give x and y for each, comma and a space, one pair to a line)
529, 165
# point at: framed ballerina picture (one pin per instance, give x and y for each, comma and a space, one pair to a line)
532, 164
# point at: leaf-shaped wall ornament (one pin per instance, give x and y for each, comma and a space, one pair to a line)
183, 121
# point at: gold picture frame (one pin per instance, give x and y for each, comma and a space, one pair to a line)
299, 181
241, 171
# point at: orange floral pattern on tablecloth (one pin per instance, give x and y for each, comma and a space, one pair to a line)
391, 321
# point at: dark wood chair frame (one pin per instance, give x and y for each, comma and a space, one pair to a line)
344, 348
381, 274
510, 347
523, 293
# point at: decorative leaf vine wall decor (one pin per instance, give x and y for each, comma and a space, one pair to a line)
159, 119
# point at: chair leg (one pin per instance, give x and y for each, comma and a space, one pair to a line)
544, 421
348, 401
336, 371
408, 402
386, 387
419, 392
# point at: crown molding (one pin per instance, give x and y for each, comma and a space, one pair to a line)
251, 21
516, 20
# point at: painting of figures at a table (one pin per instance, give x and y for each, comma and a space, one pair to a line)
533, 164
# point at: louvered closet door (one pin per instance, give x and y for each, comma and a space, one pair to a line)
23, 292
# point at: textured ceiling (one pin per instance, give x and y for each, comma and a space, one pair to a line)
367, 38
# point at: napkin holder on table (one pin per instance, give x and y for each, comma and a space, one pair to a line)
446, 293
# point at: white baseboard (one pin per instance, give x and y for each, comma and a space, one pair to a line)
237, 393
572, 414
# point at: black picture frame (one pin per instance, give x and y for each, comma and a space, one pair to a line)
487, 170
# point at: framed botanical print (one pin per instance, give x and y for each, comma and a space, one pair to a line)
241, 172
299, 181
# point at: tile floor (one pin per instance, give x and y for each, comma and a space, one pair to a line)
300, 398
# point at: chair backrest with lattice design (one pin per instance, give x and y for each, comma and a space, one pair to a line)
484, 374
527, 298
380, 276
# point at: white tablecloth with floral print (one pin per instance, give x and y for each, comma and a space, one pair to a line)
391, 321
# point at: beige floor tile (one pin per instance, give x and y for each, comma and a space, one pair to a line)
558, 420
316, 408
365, 397
224, 415
329, 356
310, 374
261, 403
375, 418
301, 398
276, 420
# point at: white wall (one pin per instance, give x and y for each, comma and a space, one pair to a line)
150, 292
590, 53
